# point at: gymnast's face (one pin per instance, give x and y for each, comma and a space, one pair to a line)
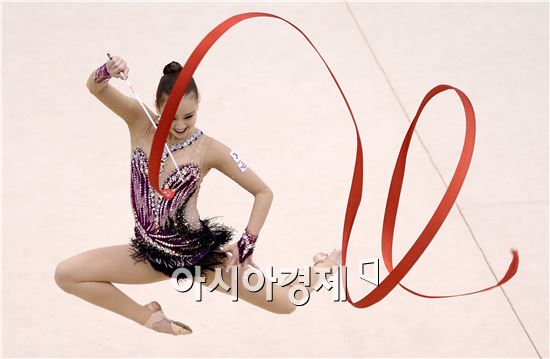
185, 118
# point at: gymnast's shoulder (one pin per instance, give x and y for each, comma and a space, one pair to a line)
217, 152
226, 160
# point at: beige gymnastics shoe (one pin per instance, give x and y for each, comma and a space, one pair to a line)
335, 257
160, 323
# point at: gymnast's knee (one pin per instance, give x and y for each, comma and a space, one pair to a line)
288, 308
64, 277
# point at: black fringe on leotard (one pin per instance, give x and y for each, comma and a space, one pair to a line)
206, 242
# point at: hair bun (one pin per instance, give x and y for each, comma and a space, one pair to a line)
173, 66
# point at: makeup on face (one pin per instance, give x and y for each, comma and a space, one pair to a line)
182, 130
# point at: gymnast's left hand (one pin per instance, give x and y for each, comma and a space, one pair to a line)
234, 250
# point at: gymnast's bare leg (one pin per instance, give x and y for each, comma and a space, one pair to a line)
89, 275
281, 303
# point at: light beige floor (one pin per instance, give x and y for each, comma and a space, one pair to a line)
266, 94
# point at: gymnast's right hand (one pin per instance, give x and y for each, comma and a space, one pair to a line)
117, 67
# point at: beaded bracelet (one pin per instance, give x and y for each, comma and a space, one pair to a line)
101, 74
246, 245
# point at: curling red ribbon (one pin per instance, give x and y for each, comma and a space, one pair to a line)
395, 274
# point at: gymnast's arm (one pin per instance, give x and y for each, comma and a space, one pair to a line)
218, 156
125, 107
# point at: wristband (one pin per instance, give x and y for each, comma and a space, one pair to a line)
246, 245
101, 74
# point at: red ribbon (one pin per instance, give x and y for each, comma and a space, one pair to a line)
395, 274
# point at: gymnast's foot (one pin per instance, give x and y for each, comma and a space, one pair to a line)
334, 258
160, 323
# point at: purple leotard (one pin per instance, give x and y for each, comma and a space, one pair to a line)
169, 233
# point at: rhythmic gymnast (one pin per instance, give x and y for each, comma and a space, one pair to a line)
170, 234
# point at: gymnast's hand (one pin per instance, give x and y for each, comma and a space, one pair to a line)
234, 250
117, 68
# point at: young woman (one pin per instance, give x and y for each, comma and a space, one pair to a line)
170, 234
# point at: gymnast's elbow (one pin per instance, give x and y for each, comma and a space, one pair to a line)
265, 192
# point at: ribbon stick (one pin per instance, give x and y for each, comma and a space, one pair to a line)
420, 245
167, 193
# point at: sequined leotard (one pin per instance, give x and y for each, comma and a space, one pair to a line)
169, 233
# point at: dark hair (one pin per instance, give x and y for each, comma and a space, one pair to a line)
167, 81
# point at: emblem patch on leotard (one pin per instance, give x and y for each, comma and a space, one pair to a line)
238, 160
